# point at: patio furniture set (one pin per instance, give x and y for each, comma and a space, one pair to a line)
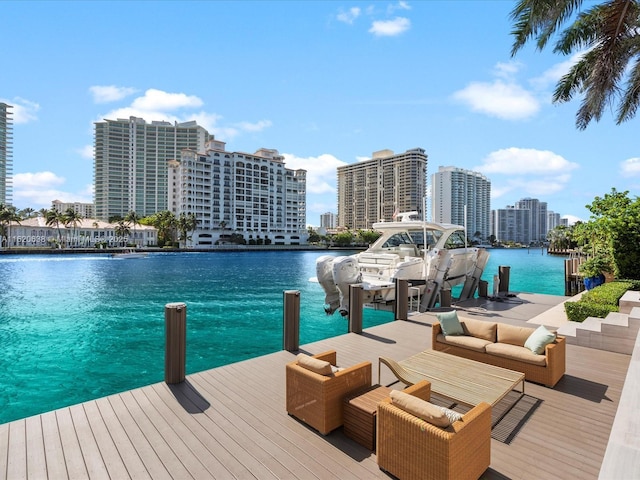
412, 437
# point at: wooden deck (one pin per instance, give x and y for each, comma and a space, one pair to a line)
230, 422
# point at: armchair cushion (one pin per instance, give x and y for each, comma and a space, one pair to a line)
316, 365
420, 408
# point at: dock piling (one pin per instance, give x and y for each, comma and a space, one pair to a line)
175, 320
355, 308
291, 334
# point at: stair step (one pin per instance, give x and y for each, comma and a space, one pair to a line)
628, 301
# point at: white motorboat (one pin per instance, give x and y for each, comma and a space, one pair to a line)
129, 253
430, 256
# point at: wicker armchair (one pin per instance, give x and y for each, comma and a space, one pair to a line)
317, 399
410, 448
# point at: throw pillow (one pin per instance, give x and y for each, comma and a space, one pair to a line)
419, 408
450, 323
539, 339
452, 415
318, 366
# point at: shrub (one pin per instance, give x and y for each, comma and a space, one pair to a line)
598, 302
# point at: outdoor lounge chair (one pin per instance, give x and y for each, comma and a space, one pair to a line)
316, 398
411, 448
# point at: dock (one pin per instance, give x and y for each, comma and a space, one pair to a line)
230, 422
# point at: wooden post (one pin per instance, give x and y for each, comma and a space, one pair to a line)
175, 354
355, 308
402, 300
445, 297
503, 273
291, 328
483, 289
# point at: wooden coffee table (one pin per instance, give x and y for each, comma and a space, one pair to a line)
462, 380
359, 415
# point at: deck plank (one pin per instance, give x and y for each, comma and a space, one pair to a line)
231, 422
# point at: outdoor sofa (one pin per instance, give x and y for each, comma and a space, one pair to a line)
503, 345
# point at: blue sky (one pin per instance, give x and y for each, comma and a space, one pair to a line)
326, 83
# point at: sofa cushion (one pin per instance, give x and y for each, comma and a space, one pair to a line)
449, 323
315, 365
452, 415
472, 343
539, 339
479, 329
513, 335
419, 408
514, 352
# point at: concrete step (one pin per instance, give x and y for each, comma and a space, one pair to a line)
615, 333
629, 300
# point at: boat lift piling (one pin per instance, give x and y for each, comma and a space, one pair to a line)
291, 327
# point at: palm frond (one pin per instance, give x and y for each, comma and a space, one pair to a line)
631, 98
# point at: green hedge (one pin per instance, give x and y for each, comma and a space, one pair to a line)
598, 302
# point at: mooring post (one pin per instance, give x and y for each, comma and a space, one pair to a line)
175, 353
402, 300
355, 308
503, 273
291, 320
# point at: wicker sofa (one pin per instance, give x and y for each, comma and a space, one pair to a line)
502, 345
317, 399
411, 448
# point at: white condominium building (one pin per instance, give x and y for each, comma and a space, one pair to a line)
131, 163
6, 153
379, 188
86, 210
462, 197
236, 194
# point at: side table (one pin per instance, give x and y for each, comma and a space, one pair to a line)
359, 415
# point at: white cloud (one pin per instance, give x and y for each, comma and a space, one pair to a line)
110, 93
349, 16
38, 190
156, 105
551, 76
572, 219
522, 161
157, 100
401, 5
390, 28
630, 167
321, 171
530, 172
507, 101
23, 111
86, 152
507, 70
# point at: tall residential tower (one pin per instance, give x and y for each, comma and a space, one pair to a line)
379, 188
462, 197
6, 153
131, 163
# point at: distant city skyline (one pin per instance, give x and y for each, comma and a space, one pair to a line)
326, 84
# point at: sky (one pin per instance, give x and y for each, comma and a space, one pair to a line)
326, 83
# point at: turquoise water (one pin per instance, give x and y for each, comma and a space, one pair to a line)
78, 327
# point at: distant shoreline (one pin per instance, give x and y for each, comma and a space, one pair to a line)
218, 248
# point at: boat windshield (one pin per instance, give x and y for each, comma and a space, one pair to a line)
432, 237
456, 240
397, 239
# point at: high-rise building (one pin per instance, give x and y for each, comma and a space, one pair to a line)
512, 224
6, 153
131, 163
538, 218
236, 193
553, 220
379, 188
328, 221
86, 210
462, 197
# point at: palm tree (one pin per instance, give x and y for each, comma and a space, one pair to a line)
53, 217
608, 33
8, 214
73, 218
185, 224
133, 218
165, 222
122, 230
27, 212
